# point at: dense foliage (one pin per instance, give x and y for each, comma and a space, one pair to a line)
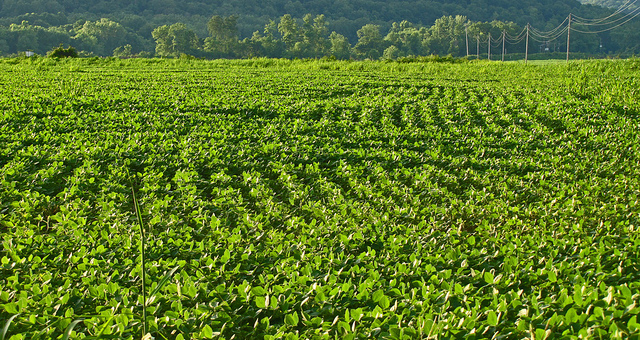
100, 27
292, 199
611, 3
61, 52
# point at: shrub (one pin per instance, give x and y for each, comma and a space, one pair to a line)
61, 52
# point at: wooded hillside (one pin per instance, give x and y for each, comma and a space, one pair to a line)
66, 20
610, 3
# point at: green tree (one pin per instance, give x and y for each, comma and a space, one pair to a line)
4, 45
289, 31
391, 53
267, 44
314, 32
17, 7
479, 31
171, 41
340, 47
164, 41
101, 36
123, 51
27, 36
482, 30
370, 43
223, 28
447, 36
625, 40
223, 39
61, 52
407, 39
251, 47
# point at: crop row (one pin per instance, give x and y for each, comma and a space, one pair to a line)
296, 201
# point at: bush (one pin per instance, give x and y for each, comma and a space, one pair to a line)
61, 52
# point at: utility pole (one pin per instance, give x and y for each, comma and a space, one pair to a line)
478, 48
568, 36
489, 47
526, 51
503, 37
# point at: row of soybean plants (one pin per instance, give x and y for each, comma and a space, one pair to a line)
396, 201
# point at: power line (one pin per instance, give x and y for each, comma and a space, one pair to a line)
637, 12
520, 35
631, 14
608, 29
551, 32
565, 27
620, 9
540, 38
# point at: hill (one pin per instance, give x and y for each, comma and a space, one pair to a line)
140, 17
345, 17
610, 3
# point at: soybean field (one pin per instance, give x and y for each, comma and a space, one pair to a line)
319, 199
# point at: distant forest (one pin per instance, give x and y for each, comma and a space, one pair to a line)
299, 29
610, 3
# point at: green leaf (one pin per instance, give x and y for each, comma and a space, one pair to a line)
471, 240
6, 326
492, 318
105, 326
207, 332
632, 324
377, 295
274, 302
577, 296
356, 314
571, 316
541, 334
384, 302
67, 332
551, 276
11, 308
488, 278
396, 332
316, 322
344, 327
258, 291
163, 282
261, 302
598, 312
226, 256
291, 319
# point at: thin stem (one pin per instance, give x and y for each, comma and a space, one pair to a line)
143, 261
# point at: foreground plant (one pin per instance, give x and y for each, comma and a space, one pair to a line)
365, 200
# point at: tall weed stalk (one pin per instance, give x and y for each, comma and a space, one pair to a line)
142, 259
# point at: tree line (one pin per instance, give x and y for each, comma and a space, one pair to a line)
309, 37
288, 37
